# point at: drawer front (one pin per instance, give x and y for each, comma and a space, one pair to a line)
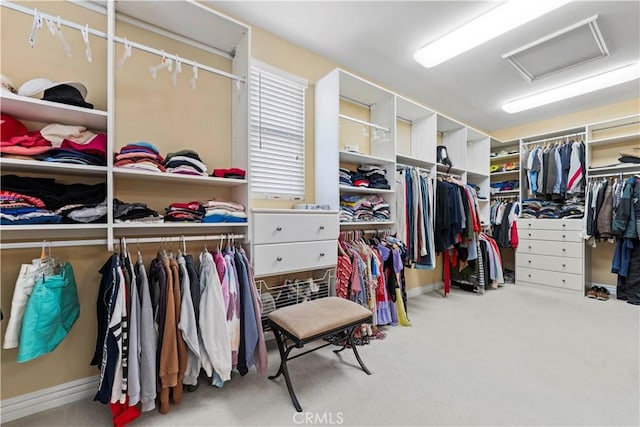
289, 227
286, 257
546, 262
549, 224
550, 278
553, 235
561, 249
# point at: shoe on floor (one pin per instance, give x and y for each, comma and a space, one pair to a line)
593, 292
602, 294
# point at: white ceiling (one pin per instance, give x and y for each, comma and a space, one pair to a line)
377, 39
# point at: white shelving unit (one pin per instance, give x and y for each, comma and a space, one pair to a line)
378, 106
605, 140
199, 26
500, 160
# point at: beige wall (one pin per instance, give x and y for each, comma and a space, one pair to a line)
581, 118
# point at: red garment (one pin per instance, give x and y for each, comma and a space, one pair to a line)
194, 206
123, 413
343, 274
514, 235
10, 195
221, 173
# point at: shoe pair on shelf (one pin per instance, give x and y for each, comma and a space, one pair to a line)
598, 292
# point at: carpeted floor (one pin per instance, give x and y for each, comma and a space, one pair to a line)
532, 356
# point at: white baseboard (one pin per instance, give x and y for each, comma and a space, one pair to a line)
414, 292
48, 398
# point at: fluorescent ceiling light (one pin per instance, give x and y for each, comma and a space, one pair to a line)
580, 87
492, 24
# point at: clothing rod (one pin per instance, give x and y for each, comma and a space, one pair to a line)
139, 46
100, 242
452, 175
402, 165
613, 175
362, 122
554, 138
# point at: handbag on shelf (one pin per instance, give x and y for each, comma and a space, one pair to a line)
442, 156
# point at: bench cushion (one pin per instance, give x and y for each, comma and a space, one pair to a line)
315, 317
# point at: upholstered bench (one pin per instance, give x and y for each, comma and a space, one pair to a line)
300, 324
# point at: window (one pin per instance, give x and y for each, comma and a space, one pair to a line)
276, 133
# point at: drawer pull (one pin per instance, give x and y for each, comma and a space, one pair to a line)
529, 261
564, 250
529, 234
564, 265
278, 228
562, 280
564, 225
321, 253
529, 275
279, 259
564, 235
529, 247
322, 227
529, 224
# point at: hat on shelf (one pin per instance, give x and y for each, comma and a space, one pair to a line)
11, 127
71, 93
630, 155
6, 85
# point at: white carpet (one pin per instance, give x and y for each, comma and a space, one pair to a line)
532, 356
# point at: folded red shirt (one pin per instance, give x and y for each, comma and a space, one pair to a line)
221, 173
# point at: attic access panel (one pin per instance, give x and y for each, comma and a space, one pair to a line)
574, 45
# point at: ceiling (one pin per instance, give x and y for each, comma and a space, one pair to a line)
377, 39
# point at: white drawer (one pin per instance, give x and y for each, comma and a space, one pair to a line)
549, 224
292, 227
561, 249
287, 257
553, 263
553, 235
550, 278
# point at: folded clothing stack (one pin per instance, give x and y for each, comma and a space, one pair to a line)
356, 208
536, 208
233, 173
369, 176
53, 143
69, 203
140, 155
345, 177
497, 187
134, 213
186, 162
16, 208
376, 176
221, 211
184, 212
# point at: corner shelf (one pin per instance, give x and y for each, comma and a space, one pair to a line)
37, 110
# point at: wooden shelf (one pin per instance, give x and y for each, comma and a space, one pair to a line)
516, 171
176, 177
453, 170
365, 223
18, 165
615, 139
363, 190
410, 161
505, 157
364, 159
37, 110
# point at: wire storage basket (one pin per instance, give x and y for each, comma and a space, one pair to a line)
294, 291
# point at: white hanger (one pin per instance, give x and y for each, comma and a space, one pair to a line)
56, 29
85, 37
164, 63
178, 69
126, 54
195, 75
37, 24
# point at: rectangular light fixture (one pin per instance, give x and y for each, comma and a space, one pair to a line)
580, 87
492, 24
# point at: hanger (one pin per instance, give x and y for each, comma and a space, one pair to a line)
85, 37
139, 253
37, 24
126, 54
56, 29
195, 75
164, 63
178, 69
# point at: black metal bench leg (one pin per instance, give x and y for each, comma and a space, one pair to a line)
284, 355
355, 350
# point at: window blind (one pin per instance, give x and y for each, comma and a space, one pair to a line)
277, 133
